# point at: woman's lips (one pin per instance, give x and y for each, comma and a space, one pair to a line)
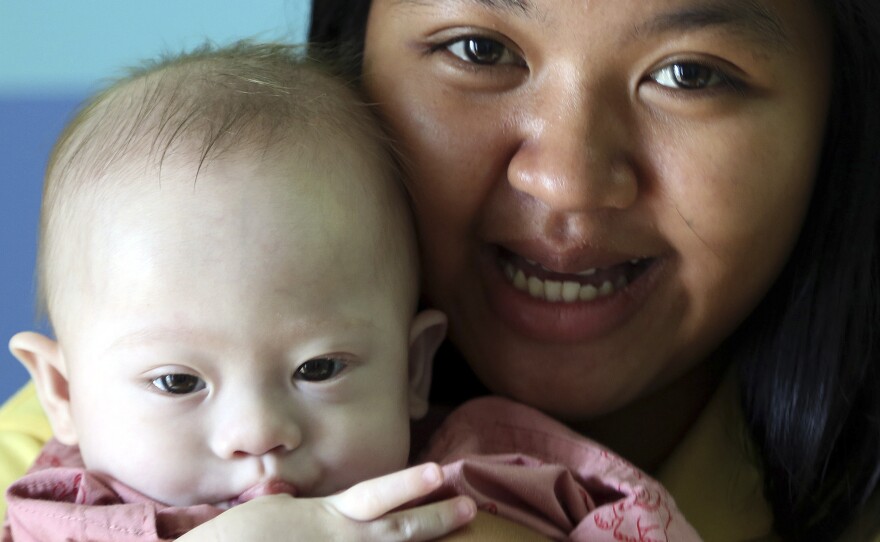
546, 305
586, 285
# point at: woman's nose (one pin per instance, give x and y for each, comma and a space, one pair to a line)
573, 154
257, 429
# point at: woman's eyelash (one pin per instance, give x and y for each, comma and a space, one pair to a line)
694, 76
479, 50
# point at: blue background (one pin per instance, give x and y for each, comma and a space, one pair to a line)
53, 53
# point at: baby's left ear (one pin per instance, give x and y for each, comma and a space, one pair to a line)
427, 331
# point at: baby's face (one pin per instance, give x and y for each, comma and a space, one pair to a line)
239, 334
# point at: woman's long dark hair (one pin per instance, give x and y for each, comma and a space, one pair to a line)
808, 355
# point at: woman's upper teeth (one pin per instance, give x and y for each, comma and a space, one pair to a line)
566, 291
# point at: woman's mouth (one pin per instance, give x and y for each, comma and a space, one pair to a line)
572, 303
586, 285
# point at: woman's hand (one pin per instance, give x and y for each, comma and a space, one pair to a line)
360, 513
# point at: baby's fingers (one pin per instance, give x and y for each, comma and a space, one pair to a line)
373, 498
426, 522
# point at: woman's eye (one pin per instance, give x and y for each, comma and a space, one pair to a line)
688, 76
179, 383
483, 51
319, 369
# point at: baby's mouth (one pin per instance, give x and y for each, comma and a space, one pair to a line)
274, 486
585, 285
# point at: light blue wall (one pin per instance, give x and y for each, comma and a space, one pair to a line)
52, 54
62, 45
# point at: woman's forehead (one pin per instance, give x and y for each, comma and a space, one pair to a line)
757, 17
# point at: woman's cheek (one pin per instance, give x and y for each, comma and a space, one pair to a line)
734, 208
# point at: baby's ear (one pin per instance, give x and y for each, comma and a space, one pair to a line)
43, 359
426, 333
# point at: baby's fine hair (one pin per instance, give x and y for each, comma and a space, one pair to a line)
197, 106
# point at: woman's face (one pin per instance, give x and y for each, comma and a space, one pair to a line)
604, 189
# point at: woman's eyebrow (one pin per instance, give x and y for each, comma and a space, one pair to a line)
518, 7
753, 20
750, 18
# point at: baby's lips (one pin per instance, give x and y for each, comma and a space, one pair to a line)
269, 487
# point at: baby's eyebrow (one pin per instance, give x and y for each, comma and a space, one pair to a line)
751, 19
150, 334
305, 327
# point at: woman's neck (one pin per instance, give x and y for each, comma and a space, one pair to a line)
655, 424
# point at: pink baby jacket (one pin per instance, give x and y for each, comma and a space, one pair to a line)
518, 463
513, 460
60, 500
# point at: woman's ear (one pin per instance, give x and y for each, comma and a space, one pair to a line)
427, 331
43, 359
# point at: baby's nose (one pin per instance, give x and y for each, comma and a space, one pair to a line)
263, 431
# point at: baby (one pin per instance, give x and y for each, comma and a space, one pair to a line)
229, 266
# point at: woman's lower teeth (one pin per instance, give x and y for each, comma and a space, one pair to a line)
560, 291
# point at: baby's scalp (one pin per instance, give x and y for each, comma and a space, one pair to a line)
260, 102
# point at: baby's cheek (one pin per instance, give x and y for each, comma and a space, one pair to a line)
166, 470
377, 445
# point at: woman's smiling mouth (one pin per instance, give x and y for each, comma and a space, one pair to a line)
587, 285
548, 305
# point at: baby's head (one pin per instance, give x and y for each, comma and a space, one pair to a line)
229, 266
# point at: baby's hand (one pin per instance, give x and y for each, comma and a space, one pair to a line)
361, 513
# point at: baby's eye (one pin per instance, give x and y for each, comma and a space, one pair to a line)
483, 51
689, 76
179, 383
319, 369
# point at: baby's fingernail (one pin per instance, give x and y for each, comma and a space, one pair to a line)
432, 475
466, 509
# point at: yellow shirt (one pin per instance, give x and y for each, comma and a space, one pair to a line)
23, 430
715, 487
717, 490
